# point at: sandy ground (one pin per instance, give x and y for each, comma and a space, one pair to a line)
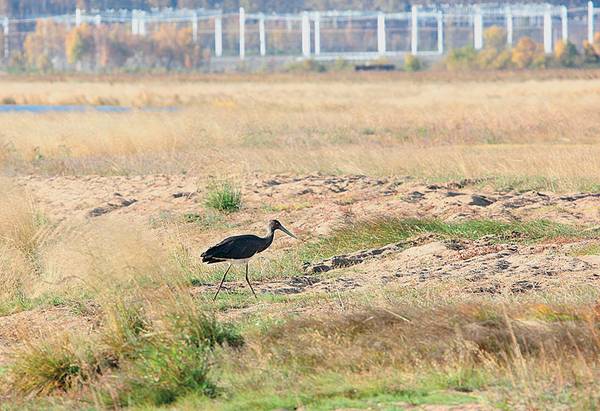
312, 205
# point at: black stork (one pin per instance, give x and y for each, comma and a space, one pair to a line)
240, 248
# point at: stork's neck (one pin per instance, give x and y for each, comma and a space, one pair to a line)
268, 239
270, 234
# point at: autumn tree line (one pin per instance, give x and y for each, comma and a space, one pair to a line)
525, 54
54, 46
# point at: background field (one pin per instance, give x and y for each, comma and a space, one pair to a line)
462, 214
515, 129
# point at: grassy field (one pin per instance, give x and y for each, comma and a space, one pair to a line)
535, 133
491, 305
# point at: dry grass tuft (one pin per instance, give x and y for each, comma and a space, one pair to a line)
24, 234
22, 225
108, 255
60, 363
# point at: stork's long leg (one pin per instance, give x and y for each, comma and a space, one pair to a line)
222, 280
248, 281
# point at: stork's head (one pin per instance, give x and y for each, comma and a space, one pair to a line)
276, 225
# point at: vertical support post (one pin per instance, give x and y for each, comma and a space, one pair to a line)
414, 29
218, 36
590, 33
381, 46
6, 24
305, 35
509, 26
261, 35
564, 20
440, 32
142, 23
195, 27
317, 18
548, 30
97, 19
478, 29
242, 33
77, 17
134, 23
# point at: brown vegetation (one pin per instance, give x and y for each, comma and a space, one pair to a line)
538, 130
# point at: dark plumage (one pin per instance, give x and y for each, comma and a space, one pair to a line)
240, 248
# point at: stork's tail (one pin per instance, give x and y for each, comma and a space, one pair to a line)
209, 259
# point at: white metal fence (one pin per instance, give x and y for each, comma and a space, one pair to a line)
339, 34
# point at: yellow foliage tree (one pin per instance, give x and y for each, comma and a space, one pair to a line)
596, 44
494, 38
175, 47
565, 53
525, 53
80, 44
115, 45
589, 53
43, 44
494, 54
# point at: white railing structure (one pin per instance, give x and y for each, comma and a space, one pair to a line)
591, 10
329, 35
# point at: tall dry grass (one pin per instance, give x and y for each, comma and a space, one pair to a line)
41, 259
24, 232
542, 130
539, 351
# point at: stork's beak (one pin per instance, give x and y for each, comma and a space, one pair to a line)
285, 230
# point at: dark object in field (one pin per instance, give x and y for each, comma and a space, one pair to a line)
523, 286
118, 202
348, 260
481, 201
186, 194
579, 196
240, 248
414, 197
374, 67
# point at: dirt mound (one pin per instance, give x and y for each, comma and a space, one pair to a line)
481, 266
312, 203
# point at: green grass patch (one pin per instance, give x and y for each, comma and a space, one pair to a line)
353, 399
78, 305
244, 298
328, 392
223, 196
588, 249
153, 360
163, 372
461, 379
377, 233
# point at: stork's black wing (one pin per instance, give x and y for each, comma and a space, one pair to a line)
238, 247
